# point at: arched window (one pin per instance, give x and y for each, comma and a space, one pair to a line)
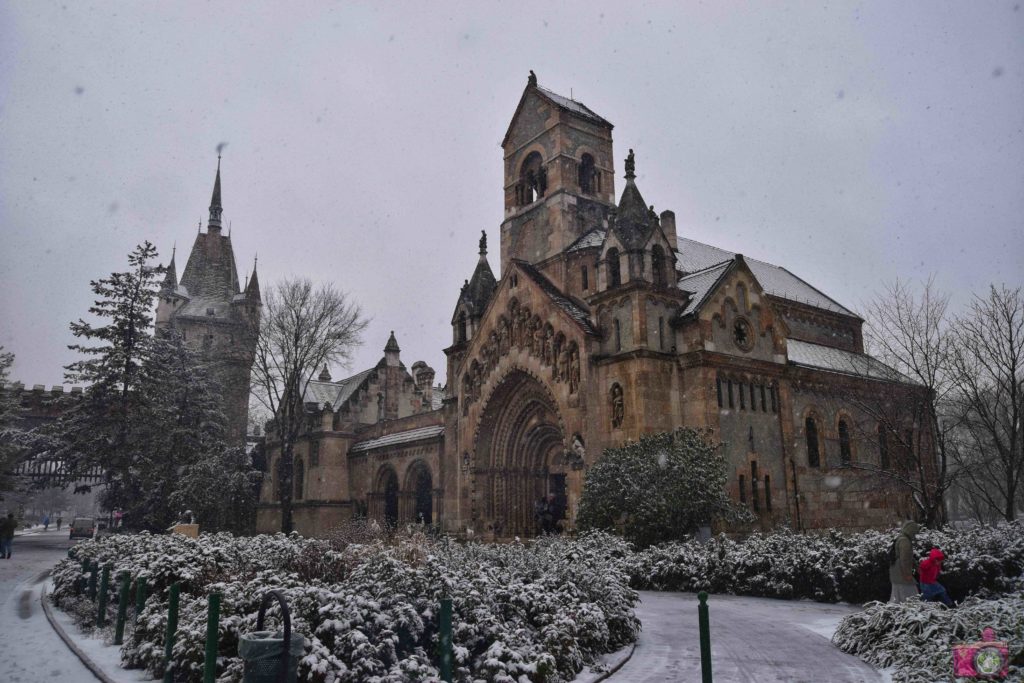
460, 332
587, 173
614, 274
584, 278
844, 443
618, 335
299, 480
658, 266
811, 431
883, 448
533, 179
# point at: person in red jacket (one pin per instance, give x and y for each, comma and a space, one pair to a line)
928, 575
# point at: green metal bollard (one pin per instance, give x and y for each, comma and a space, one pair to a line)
140, 596
212, 632
93, 567
447, 656
705, 637
122, 608
101, 610
172, 629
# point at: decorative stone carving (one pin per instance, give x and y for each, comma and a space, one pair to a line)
574, 369
618, 406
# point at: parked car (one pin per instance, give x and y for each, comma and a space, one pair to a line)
82, 527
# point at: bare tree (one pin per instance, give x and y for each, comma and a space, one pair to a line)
907, 416
302, 329
988, 360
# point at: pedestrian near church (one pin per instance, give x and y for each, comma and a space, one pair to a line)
7, 527
901, 563
928, 573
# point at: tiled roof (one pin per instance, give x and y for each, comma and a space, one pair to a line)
335, 393
580, 315
398, 438
838, 360
592, 238
693, 256
700, 284
572, 105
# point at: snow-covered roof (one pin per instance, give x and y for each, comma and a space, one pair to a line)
581, 316
693, 256
832, 359
592, 238
335, 393
408, 436
572, 105
700, 284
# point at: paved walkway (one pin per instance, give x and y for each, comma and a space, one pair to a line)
752, 639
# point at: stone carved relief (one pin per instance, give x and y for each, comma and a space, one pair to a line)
618, 406
521, 329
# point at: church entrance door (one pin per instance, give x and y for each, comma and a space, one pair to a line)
520, 441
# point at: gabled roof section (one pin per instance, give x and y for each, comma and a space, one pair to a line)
335, 393
562, 102
699, 286
831, 359
579, 314
590, 239
693, 257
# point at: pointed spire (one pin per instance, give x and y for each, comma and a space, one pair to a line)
392, 345
630, 166
213, 225
324, 375
483, 245
171, 277
252, 288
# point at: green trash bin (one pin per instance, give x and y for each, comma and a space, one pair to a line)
263, 652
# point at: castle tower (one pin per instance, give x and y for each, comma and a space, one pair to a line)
559, 179
214, 316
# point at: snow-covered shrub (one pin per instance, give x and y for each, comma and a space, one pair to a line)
660, 488
830, 566
535, 612
916, 638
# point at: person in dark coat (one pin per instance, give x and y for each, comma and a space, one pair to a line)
928, 574
901, 563
7, 527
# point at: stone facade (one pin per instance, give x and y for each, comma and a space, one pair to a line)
604, 326
214, 315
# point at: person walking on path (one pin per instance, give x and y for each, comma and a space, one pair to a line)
46, 522
7, 527
901, 563
928, 573
60, 520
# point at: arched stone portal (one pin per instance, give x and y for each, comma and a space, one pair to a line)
519, 457
386, 497
419, 489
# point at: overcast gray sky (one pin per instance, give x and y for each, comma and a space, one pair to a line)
849, 142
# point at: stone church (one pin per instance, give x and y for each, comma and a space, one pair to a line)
607, 323
214, 315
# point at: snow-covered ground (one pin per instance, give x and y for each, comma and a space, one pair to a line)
756, 640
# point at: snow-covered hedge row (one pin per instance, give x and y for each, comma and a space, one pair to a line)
535, 612
916, 638
828, 567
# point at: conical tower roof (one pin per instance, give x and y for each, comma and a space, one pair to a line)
634, 221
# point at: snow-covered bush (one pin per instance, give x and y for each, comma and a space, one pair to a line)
660, 488
828, 567
916, 638
535, 612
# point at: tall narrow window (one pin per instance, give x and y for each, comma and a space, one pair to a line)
774, 395
844, 443
299, 476
753, 398
614, 274
743, 489
743, 396
767, 493
586, 174
661, 333
883, 448
461, 333
811, 432
718, 388
584, 278
764, 406
314, 454
618, 335
658, 266
729, 387
754, 497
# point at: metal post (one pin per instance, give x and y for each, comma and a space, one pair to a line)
122, 608
92, 580
212, 632
705, 637
172, 629
140, 596
446, 640
101, 610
